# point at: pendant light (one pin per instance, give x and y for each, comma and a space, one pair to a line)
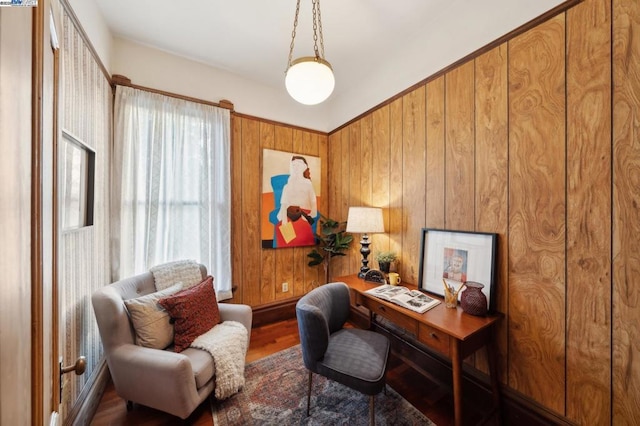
309, 79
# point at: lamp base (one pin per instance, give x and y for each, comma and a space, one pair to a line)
364, 250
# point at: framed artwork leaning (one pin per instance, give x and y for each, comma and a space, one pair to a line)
457, 257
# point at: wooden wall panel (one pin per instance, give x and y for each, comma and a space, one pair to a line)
589, 213
544, 173
366, 189
380, 152
413, 180
626, 220
237, 228
342, 265
353, 175
435, 191
268, 273
396, 173
537, 213
491, 159
459, 150
251, 188
259, 273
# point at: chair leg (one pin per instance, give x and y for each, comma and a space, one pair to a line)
372, 410
309, 392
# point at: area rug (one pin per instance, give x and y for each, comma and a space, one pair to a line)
275, 393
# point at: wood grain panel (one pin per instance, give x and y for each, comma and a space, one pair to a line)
284, 256
314, 276
354, 175
395, 181
366, 162
537, 214
491, 152
459, 152
380, 147
251, 271
626, 221
335, 185
237, 258
268, 265
341, 265
589, 213
435, 193
413, 180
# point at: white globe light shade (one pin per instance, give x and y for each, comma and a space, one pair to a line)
310, 80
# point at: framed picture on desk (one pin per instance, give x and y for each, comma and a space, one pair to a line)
458, 256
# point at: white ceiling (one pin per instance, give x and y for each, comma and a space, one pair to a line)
382, 44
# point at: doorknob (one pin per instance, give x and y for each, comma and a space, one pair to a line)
79, 367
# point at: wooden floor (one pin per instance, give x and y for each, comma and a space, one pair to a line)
433, 400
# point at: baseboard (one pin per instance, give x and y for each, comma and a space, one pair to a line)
274, 312
87, 403
515, 407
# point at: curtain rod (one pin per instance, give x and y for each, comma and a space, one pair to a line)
121, 80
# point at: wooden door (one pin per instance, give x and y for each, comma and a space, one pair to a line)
15, 215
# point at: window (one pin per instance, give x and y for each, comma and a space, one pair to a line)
77, 177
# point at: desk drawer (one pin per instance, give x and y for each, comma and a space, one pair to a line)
434, 338
408, 323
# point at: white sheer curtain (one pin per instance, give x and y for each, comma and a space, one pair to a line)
171, 185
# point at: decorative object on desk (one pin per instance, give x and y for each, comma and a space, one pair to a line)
458, 256
375, 276
472, 300
451, 294
365, 220
394, 278
333, 241
291, 192
384, 259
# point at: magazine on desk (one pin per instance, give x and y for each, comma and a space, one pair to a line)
411, 299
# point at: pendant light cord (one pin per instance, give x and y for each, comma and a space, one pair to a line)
317, 28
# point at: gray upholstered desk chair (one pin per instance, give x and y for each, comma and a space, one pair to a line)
353, 357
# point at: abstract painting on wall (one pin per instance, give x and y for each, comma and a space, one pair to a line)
290, 197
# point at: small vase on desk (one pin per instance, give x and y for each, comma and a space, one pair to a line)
472, 299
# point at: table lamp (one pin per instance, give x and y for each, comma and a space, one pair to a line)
364, 220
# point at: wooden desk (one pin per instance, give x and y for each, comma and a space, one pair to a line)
450, 332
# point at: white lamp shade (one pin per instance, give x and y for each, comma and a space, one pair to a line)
365, 220
310, 80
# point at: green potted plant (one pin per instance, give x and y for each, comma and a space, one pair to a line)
384, 259
333, 241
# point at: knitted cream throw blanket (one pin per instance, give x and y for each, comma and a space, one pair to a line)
186, 272
227, 344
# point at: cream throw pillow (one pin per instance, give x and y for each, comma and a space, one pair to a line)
151, 321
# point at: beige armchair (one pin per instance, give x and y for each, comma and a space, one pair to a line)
175, 383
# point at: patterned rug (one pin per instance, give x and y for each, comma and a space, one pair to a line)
275, 393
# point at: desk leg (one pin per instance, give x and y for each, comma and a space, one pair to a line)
456, 364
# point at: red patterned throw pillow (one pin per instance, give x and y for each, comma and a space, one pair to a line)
194, 310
